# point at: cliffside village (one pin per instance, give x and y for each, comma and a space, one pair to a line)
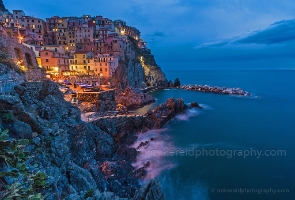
73, 49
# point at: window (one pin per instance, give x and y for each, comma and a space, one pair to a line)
46, 60
46, 53
106, 64
106, 69
84, 67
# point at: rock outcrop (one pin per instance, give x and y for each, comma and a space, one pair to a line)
150, 191
78, 156
129, 73
132, 97
139, 70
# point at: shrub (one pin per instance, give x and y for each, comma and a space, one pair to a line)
7, 117
89, 193
13, 155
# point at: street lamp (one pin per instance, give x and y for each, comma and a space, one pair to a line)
100, 77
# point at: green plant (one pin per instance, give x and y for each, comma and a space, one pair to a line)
7, 117
12, 154
89, 193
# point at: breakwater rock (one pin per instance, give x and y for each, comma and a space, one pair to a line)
217, 90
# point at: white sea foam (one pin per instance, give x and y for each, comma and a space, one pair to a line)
188, 114
157, 163
206, 107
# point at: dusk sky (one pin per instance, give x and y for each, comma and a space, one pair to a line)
196, 33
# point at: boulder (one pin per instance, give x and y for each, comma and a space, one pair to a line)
195, 105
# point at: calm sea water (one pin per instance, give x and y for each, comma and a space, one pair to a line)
228, 124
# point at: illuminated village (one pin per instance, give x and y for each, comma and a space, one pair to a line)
83, 50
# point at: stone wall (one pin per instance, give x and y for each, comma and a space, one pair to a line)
102, 101
17, 52
35, 75
94, 96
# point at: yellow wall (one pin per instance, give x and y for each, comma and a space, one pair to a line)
39, 61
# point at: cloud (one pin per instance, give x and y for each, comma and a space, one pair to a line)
279, 32
159, 34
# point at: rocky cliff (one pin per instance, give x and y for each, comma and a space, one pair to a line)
76, 156
139, 71
129, 73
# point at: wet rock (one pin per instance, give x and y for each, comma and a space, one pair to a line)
163, 113
142, 144
147, 164
195, 105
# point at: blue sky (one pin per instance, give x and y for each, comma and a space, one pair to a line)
200, 33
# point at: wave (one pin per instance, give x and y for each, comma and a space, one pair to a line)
157, 142
188, 114
170, 89
206, 107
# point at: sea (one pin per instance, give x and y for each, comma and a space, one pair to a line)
235, 147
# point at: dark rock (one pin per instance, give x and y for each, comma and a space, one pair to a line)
176, 82
170, 84
18, 108
50, 88
195, 105
147, 164
30, 119
151, 191
131, 97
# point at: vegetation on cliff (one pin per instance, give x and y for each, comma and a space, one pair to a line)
17, 180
